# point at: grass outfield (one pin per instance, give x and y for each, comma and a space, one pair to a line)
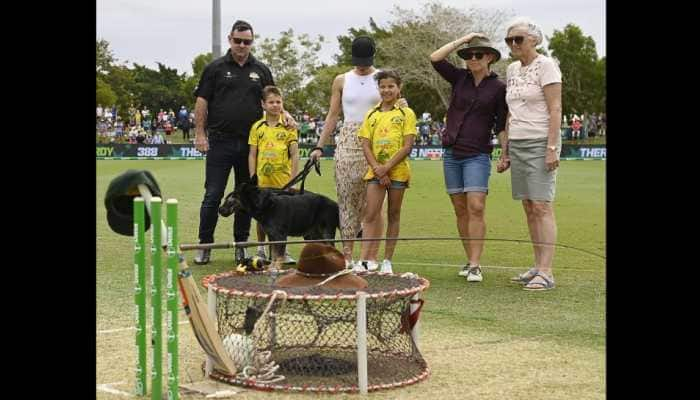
491, 340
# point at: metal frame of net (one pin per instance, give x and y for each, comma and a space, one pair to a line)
306, 338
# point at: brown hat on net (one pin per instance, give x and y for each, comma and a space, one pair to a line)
323, 264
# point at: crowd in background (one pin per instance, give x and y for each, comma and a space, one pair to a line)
575, 127
141, 126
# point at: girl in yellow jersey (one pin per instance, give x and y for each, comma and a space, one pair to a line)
274, 151
387, 134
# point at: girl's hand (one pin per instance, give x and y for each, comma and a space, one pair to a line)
380, 171
385, 181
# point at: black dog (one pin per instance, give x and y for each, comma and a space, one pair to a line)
283, 213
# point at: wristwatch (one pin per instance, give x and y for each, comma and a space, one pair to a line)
553, 148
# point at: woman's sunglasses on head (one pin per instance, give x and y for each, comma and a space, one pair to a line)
517, 39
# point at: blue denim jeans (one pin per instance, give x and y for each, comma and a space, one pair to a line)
223, 155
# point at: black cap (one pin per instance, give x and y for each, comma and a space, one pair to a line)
119, 200
363, 51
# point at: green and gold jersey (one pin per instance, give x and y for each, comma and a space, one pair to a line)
386, 131
274, 165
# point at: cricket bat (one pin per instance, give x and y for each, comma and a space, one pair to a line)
202, 325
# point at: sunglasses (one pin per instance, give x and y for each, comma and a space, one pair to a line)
471, 54
247, 42
516, 39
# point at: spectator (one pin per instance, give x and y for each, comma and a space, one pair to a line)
100, 112
534, 144
388, 133
224, 113
477, 108
185, 125
279, 162
168, 128
182, 115
137, 118
354, 93
576, 127
157, 138
119, 127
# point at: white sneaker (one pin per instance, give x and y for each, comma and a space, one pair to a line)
474, 274
358, 267
464, 271
386, 266
371, 265
288, 259
366, 265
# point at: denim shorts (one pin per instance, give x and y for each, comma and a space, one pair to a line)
394, 184
470, 174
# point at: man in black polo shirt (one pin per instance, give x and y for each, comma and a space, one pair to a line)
229, 98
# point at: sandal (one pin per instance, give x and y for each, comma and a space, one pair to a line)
525, 277
545, 283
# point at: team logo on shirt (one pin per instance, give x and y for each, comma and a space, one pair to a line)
281, 135
254, 76
397, 120
228, 75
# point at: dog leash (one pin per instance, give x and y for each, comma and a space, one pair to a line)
301, 176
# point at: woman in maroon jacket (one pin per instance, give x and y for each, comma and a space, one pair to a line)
477, 110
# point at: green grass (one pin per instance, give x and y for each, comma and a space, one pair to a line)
487, 340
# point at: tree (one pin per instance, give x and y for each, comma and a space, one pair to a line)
104, 93
160, 89
293, 61
104, 56
412, 36
318, 90
345, 43
198, 64
583, 75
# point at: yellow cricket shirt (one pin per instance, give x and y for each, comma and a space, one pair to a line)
386, 131
274, 165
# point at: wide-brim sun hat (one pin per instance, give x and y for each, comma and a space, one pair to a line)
317, 263
479, 43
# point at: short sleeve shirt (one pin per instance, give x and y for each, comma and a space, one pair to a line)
529, 115
233, 93
386, 131
274, 165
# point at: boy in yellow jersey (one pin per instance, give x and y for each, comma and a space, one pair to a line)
274, 152
387, 134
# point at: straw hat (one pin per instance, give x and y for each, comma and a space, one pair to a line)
318, 262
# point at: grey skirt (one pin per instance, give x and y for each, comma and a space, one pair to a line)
529, 177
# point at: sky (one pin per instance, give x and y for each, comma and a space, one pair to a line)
174, 32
